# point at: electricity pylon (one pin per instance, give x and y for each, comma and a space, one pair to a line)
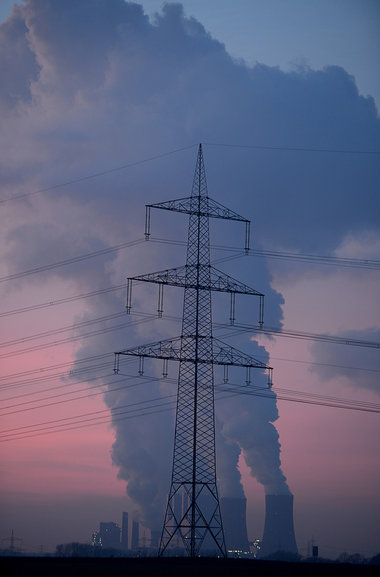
197, 521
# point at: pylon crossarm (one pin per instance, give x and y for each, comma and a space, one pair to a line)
219, 281
207, 207
173, 350
169, 349
229, 356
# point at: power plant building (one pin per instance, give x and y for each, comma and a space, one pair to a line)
108, 536
135, 538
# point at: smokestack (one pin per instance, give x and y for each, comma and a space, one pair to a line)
278, 529
124, 531
235, 523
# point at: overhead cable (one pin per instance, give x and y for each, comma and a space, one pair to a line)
232, 390
294, 148
96, 174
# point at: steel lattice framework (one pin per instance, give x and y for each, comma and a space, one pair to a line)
197, 521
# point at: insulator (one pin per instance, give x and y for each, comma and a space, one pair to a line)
225, 378
232, 308
160, 307
141, 366
128, 304
116, 364
270, 381
147, 222
165, 368
248, 376
247, 236
261, 312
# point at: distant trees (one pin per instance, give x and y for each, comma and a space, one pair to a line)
375, 560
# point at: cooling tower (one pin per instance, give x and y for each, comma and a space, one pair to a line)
235, 523
278, 529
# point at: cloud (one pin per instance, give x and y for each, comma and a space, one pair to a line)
125, 81
99, 86
358, 367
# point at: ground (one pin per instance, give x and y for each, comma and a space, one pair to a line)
78, 567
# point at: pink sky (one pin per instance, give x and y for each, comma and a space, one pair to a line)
328, 455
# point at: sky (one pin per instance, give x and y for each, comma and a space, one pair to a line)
103, 105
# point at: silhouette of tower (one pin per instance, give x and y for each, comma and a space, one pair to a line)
124, 531
198, 523
135, 538
279, 528
235, 523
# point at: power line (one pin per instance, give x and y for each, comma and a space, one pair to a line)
164, 154
51, 377
301, 257
65, 386
88, 380
56, 366
64, 300
72, 260
318, 259
59, 377
278, 331
43, 377
114, 412
105, 420
294, 148
280, 393
239, 328
96, 174
349, 405
286, 255
295, 334
332, 365
64, 329
105, 365
146, 317
232, 390
75, 338
141, 378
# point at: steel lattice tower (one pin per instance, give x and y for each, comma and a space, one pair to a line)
197, 521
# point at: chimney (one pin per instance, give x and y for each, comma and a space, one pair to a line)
278, 529
235, 523
124, 531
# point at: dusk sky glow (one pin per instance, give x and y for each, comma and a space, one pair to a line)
103, 105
